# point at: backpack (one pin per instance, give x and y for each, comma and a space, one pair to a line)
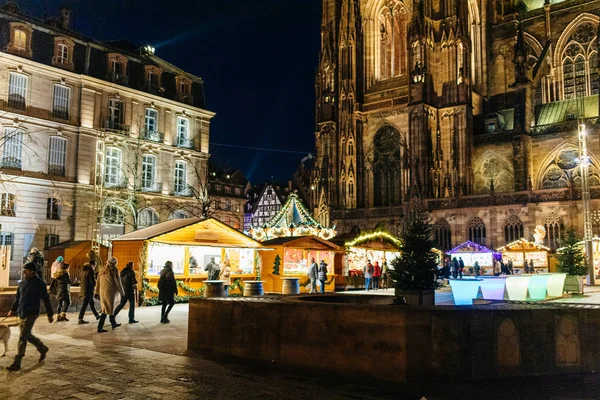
53, 289
370, 269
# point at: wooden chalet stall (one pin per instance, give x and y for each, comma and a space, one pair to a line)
522, 250
190, 244
471, 252
75, 253
290, 257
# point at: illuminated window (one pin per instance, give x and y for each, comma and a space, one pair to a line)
60, 103
112, 172
7, 205
392, 41
20, 39
151, 118
580, 63
148, 172
180, 186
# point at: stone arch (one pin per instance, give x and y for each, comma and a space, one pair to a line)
492, 167
566, 340
561, 166
442, 234
568, 31
508, 346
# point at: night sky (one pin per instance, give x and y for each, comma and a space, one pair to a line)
257, 59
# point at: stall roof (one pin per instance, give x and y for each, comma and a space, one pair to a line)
192, 231
523, 245
69, 244
470, 247
379, 240
302, 242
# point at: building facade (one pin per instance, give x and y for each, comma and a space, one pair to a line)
469, 106
97, 138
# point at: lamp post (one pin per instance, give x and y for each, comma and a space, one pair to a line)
584, 164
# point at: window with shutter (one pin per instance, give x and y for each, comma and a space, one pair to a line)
13, 148
180, 188
60, 105
57, 156
17, 90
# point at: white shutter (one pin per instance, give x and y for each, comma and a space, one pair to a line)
17, 90
60, 107
58, 155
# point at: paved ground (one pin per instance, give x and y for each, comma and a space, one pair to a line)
149, 361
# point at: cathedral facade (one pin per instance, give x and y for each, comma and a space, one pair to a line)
471, 107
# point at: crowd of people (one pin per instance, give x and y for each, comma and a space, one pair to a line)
100, 283
455, 268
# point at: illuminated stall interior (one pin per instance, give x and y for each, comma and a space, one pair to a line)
292, 220
189, 244
596, 256
471, 252
521, 250
290, 257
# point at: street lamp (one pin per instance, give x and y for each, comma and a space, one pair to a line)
584, 165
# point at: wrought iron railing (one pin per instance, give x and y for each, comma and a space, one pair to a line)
153, 136
56, 170
60, 112
151, 187
183, 142
10, 162
16, 101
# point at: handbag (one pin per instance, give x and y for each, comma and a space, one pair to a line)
53, 286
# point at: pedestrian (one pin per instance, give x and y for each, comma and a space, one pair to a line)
212, 269
445, 271
368, 271
129, 282
107, 287
376, 275
313, 270
509, 268
461, 267
37, 258
455, 268
531, 268
30, 292
497, 270
226, 276
384, 274
322, 275
56, 265
477, 268
63, 292
86, 291
167, 287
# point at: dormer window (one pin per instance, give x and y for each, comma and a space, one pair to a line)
152, 79
184, 89
20, 39
117, 69
63, 53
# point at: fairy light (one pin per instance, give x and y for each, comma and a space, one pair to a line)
379, 235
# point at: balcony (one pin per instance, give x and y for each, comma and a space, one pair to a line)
151, 187
61, 113
10, 162
16, 101
116, 126
119, 78
183, 143
56, 170
152, 136
119, 182
183, 192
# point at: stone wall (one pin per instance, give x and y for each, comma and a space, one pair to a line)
399, 343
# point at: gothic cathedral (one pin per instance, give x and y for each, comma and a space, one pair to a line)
468, 106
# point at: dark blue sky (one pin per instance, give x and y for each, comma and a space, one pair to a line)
257, 59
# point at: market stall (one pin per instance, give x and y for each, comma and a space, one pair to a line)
471, 252
379, 246
522, 250
190, 244
288, 257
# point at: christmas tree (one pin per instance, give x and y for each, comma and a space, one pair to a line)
276, 265
571, 258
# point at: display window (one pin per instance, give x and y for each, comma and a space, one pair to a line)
199, 257
484, 259
241, 261
296, 261
358, 257
159, 254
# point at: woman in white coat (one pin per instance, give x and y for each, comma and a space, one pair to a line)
107, 287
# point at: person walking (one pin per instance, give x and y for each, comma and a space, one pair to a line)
497, 270
167, 287
477, 269
322, 275
509, 268
531, 267
129, 282
30, 292
376, 275
455, 267
461, 267
212, 269
86, 291
37, 258
313, 270
384, 274
368, 271
107, 287
226, 276
63, 292
56, 265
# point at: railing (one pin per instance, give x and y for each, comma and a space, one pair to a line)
10, 162
119, 78
60, 112
153, 136
565, 126
56, 170
116, 126
151, 187
119, 183
183, 142
17, 101
183, 192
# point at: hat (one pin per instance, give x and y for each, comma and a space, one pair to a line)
60, 259
33, 250
112, 260
30, 266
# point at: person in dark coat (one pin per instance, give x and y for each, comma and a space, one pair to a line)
213, 270
37, 258
455, 267
31, 291
129, 282
88, 284
167, 287
322, 274
63, 292
461, 267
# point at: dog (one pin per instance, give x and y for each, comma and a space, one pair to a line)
4, 336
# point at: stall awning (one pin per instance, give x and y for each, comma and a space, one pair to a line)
303, 242
192, 232
523, 245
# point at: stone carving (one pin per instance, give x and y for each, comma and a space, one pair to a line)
566, 340
539, 233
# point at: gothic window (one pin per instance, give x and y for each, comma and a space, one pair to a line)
513, 229
442, 235
579, 63
564, 168
386, 166
554, 230
392, 42
596, 222
477, 231
496, 170
351, 149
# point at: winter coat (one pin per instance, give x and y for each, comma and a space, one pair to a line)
322, 271
213, 271
29, 294
107, 287
376, 270
226, 275
56, 266
88, 281
313, 270
167, 285
461, 264
368, 270
38, 260
63, 284
128, 280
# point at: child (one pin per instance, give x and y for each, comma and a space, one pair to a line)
63, 291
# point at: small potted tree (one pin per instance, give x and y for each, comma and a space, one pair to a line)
572, 261
415, 269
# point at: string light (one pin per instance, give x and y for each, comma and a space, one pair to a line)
523, 244
379, 235
461, 248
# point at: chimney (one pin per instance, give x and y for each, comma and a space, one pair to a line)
66, 18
